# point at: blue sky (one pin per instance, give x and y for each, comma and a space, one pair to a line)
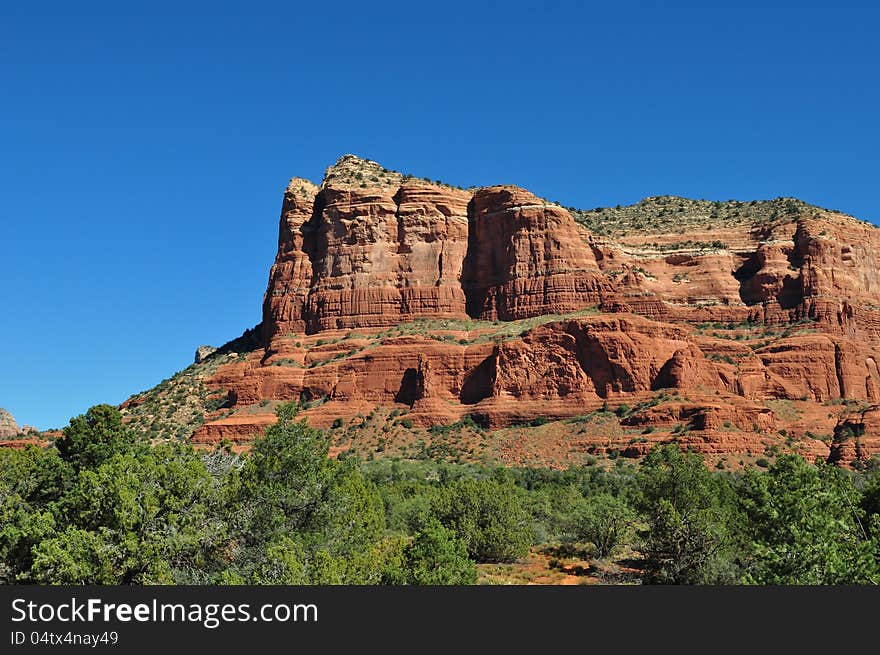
144, 146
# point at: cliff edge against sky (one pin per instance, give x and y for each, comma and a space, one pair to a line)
398, 307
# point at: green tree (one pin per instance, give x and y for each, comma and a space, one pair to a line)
293, 507
38, 475
603, 520
137, 518
692, 520
435, 556
806, 526
95, 437
77, 556
285, 479
869, 503
488, 516
22, 528
31, 481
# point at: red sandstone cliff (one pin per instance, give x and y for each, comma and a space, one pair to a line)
291, 276
732, 336
8, 426
527, 258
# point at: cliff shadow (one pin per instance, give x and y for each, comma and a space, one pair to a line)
410, 387
594, 361
478, 382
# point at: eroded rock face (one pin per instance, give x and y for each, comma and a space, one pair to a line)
527, 258
202, 353
383, 255
371, 249
8, 426
601, 357
857, 437
291, 276
728, 337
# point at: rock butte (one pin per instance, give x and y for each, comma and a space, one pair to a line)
13, 435
732, 336
8, 426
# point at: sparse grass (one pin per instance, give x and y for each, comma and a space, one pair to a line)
287, 362
784, 409
727, 359
686, 245
178, 405
483, 331
758, 335
672, 214
364, 173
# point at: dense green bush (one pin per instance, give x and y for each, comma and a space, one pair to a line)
488, 516
95, 437
297, 516
605, 521
435, 556
103, 507
692, 518
806, 526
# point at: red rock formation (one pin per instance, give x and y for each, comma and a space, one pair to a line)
235, 429
759, 329
376, 253
382, 256
366, 253
598, 357
527, 258
17, 436
24, 442
291, 276
8, 426
857, 437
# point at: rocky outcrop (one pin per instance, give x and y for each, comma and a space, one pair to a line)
598, 357
372, 249
291, 274
806, 264
8, 426
382, 255
857, 437
526, 258
731, 328
236, 430
202, 353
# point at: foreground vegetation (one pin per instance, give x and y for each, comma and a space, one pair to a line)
104, 506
